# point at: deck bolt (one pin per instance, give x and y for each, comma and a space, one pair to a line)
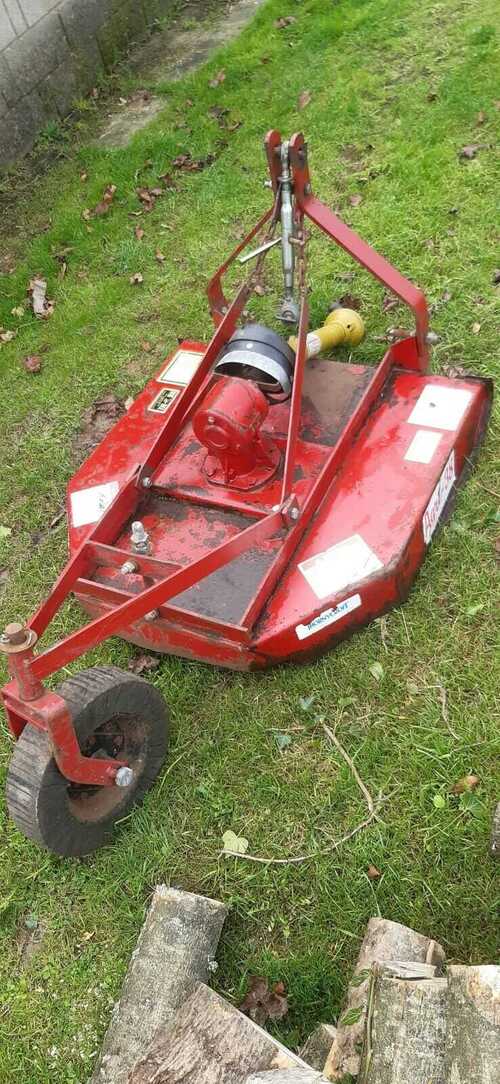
294, 513
128, 567
152, 615
124, 777
140, 537
15, 633
146, 482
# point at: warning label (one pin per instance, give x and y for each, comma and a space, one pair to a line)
438, 500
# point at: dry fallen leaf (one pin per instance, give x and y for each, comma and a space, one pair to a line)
262, 1003
143, 662
467, 782
470, 150
304, 99
40, 304
287, 20
136, 279
32, 363
192, 165
496, 276
159, 257
218, 79
476, 328
481, 117
148, 196
18, 310
84, 176
389, 301
7, 336
372, 872
139, 233
355, 200
350, 301
104, 204
146, 346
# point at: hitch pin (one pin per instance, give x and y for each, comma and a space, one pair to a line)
257, 251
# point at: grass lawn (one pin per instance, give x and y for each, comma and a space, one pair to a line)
396, 91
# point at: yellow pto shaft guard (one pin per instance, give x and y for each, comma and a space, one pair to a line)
340, 326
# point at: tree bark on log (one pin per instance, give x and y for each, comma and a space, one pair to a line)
178, 939
406, 1031
210, 1042
384, 941
473, 1046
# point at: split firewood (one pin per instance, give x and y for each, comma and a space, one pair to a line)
405, 1035
473, 1040
176, 944
316, 1048
384, 941
211, 1042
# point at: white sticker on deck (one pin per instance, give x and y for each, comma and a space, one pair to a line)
328, 617
438, 500
348, 562
88, 505
440, 407
423, 446
181, 367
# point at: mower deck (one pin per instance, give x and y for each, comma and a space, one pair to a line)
361, 551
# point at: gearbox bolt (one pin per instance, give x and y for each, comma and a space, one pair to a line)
128, 567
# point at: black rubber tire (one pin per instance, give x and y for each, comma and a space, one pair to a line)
54, 813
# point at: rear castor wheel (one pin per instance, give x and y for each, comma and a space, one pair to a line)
114, 714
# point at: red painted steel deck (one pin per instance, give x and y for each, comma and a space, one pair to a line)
375, 507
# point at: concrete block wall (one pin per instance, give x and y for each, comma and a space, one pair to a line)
50, 54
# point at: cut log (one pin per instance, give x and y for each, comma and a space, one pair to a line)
473, 1045
175, 946
317, 1047
210, 1042
405, 1031
384, 941
285, 1076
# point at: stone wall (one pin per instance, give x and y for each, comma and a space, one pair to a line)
50, 54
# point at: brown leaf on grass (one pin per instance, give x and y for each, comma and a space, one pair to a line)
476, 328
192, 165
104, 205
32, 363
259, 289
141, 663
146, 346
148, 196
470, 150
136, 279
265, 59
467, 782
496, 276
42, 307
139, 233
373, 873
217, 79
481, 117
350, 301
167, 179
355, 200
432, 95
264, 1003
84, 176
7, 336
389, 301
287, 20
159, 257
304, 99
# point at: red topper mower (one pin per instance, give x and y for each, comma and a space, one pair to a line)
258, 502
